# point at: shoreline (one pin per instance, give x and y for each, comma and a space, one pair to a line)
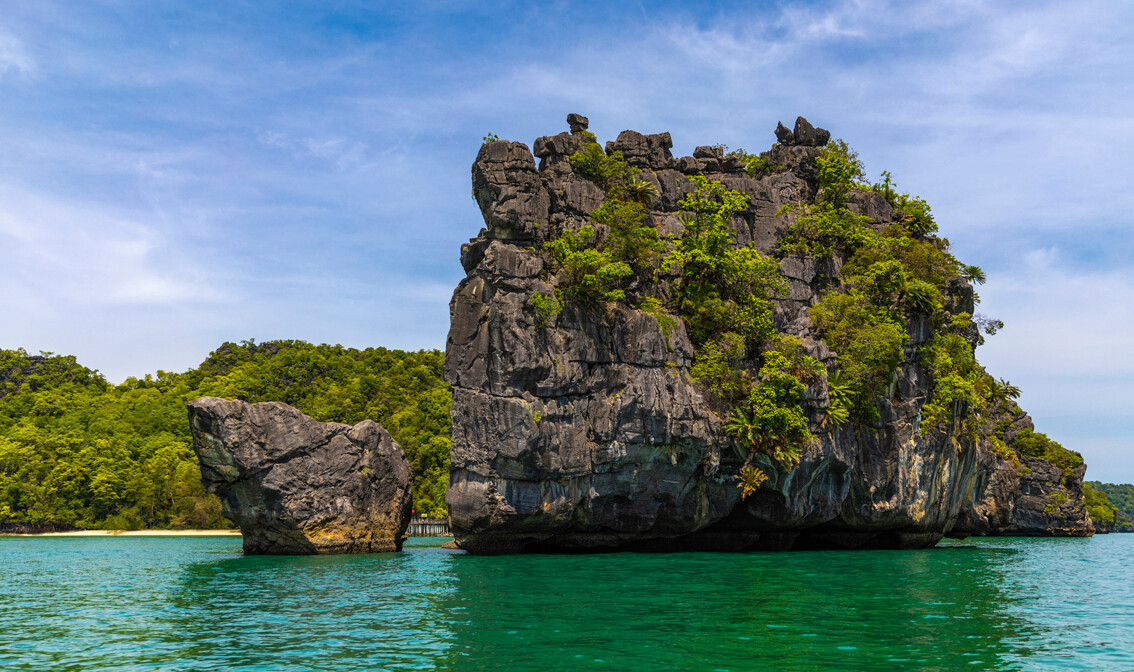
131, 533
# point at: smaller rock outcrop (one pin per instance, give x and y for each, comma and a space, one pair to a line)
804, 135
1035, 499
297, 486
1024, 495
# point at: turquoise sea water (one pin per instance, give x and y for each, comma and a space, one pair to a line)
195, 603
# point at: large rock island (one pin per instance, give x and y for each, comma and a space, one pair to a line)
726, 351
298, 486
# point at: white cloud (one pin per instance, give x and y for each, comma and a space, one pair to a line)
1066, 320
340, 152
13, 56
67, 254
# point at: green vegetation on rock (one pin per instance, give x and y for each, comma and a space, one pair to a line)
590, 269
1029, 443
1104, 514
886, 283
77, 451
890, 277
722, 292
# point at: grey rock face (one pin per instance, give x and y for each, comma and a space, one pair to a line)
1031, 499
591, 434
783, 135
643, 151
809, 136
508, 190
298, 486
577, 123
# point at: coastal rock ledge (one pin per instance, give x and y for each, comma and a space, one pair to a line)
296, 486
583, 429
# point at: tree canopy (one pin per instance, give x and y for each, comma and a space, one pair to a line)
78, 451
1111, 502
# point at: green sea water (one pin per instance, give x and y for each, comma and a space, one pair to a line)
197, 604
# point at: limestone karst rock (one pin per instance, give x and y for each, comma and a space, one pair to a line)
590, 433
1034, 498
298, 486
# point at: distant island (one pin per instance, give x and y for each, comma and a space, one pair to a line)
1111, 505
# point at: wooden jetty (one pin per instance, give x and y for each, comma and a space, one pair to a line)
428, 527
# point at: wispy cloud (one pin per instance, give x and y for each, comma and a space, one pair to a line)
342, 153
13, 57
68, 253
1065, 320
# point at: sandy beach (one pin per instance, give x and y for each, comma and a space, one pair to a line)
133, 533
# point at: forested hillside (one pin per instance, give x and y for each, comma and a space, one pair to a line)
1121, 498
78, 451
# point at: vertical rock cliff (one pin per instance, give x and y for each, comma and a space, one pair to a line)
581, 425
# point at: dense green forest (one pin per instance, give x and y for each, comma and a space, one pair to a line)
78, 451
1121, 497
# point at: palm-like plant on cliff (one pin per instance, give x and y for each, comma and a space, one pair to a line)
640, 191
749, 480
973, 274
840, 393
771, 421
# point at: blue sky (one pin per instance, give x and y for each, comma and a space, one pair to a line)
178, 174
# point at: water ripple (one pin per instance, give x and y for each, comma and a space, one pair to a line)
195, 603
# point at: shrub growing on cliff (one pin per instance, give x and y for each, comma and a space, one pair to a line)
913, 213
1099, 508
591, 269
586, 274
955, 375
823, 230
629, 240
640, 191
868, 342
840, 170
546, 307
722, 291
600, 168
770, 420
1035, 444
749, 479
755, 164
840, 395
